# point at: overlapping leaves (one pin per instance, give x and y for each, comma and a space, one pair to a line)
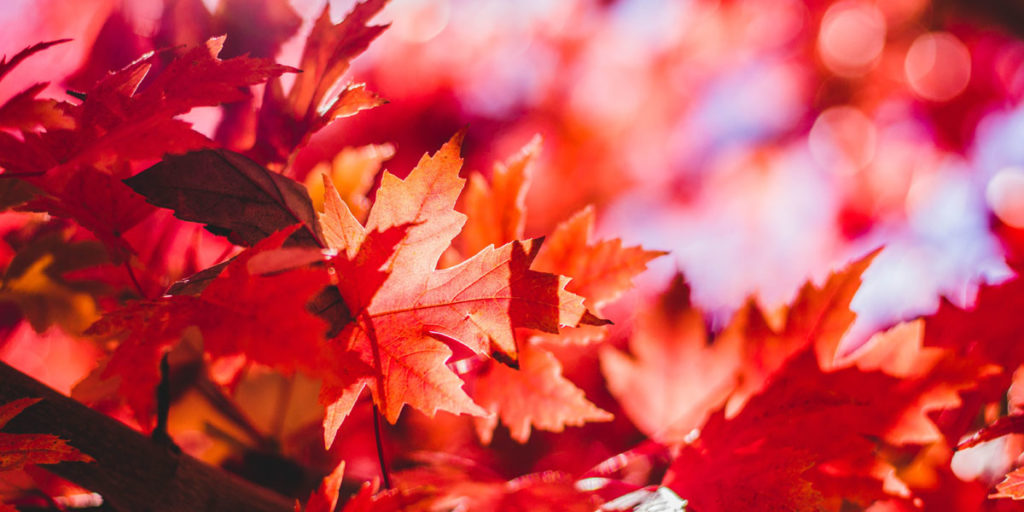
402, 312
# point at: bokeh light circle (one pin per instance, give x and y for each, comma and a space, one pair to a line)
938, 66
851, 38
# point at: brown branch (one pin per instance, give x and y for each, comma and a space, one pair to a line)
131, 472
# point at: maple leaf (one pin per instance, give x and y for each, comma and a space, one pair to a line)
535, 394
1012, 486
77, 165
325, 497
23, 111
287, 121
478, 303
818, 317
807, 435
119, 121
676, 376
231, 194
99, 202
496, 211
17, 450
240, 312
600, 270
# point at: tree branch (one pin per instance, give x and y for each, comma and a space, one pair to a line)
131, 472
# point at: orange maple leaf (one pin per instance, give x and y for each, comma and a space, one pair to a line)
601, 271
676, 376
536, 394
477, 303
496, 211
1012, 486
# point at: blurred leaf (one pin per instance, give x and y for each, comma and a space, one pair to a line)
534, 395
351, 173
34, 281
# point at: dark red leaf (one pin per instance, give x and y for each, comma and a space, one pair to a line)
231, 194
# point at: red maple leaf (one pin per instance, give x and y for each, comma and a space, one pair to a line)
242, 312
819, 435
17, 450
807, 442
818, 317
78, 162
287, 121
120, 119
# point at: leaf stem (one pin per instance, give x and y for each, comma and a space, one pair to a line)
135, 281
380, 448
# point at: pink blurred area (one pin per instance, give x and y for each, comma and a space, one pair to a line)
763, 142
26, 22
53, 357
